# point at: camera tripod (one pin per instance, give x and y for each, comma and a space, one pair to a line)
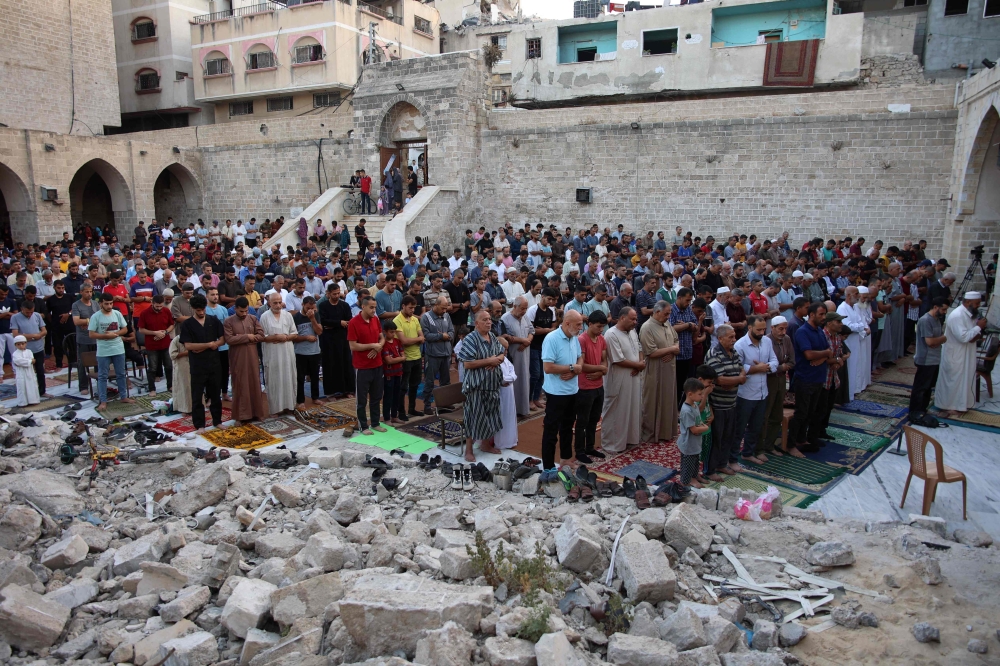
970, 274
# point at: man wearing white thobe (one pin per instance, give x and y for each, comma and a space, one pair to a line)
864, 308
859, 332
958, 356
279, 356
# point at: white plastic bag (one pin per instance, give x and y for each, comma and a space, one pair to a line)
758, 510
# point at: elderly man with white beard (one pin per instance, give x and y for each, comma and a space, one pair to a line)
953, 392
854, 320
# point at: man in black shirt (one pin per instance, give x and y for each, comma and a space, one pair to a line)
61, 322
229, 288
460, 300
544, 319
338, 371
202, 336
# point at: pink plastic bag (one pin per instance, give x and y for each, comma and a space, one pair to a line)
759, 509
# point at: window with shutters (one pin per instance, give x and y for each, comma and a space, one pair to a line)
218, 67
147, 80
143, 29
534, 47
261, 60
308, 53
422, 25
279, 104
326, 99
241, 108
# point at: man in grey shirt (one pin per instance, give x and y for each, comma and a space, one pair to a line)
439, 334
930, 337
83, 310
29, 323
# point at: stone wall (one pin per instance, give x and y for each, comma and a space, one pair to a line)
892, 70
59, 67
877, 175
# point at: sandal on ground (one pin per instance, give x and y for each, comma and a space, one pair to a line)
629, 488
574, 494
586, 494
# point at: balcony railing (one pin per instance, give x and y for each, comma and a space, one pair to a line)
378, 11
269, 6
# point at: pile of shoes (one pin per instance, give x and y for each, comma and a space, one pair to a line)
382, 484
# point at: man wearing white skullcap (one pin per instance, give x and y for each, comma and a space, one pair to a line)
719, 316
859, 333
776, 385
962, 330
864, 354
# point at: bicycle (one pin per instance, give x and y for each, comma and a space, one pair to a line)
352, 204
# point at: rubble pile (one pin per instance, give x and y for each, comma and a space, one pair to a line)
189, 563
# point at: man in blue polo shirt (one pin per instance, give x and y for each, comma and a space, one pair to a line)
812, 353
562, 363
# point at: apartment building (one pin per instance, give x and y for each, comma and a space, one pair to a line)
268, 60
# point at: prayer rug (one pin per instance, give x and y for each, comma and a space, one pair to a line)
901, 374
8, 391
873, 424
653, 474
284, 427
430, 428
348, 406
789, 496
52, 382
326, 418
142, 405
665, 455
851, 460
791, 63
393, 439
865, 441
889, 387
185, 425
874, 409
873, 395
240, 437
52, 403
800, 470
974, 418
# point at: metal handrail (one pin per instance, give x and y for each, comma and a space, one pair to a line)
268, 6
378, 11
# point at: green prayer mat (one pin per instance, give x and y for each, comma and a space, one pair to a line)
798, 470
394, 439
874, 424
858, 440
789, 496
142, 405
47, 404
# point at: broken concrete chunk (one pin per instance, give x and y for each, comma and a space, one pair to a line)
457, 564
830, 554
98, 540
158, 577
198, 649
278, 544
347, 508
925, 632
188, 601
20, 527
308, 598
324, 551
721, 634
451, 645
30, 621
443, 518
203, 488
765, 635
791, 633
651, 521
384, 613
492, 524
577, 545
626, 650
77, 593
129, 558
509, 652
645, 571
138, 608
973, 538
52, 493
929, 570
685, 528
287, 494
248, 606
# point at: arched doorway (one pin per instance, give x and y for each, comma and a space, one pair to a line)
403, 141
177, 194
100, 198
16, 221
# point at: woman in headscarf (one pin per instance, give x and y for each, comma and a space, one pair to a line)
303, 232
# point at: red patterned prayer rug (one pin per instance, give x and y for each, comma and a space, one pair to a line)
665, 455
184, 424
791, 63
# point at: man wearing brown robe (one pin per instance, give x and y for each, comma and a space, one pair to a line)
243, 332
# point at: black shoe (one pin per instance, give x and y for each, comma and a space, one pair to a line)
446, 410
428, 412
583, 459
404, 418
594, 453
414, 412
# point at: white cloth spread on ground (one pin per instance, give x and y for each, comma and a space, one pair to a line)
279, 362
958, 362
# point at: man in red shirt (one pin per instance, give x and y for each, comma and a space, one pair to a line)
120, 292
157, 324
365, 336
757, 299
366, 189
590, 396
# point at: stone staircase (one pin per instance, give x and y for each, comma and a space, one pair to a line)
374, 224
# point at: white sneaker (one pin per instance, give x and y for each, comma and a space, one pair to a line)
456, 477
467, 483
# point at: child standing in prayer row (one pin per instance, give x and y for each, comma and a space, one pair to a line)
691, 429
24, 370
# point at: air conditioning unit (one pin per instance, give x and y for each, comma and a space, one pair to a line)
584, 195
49, 194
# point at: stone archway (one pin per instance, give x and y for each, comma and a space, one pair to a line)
100, 198
403, 134
17, 220
177, 194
